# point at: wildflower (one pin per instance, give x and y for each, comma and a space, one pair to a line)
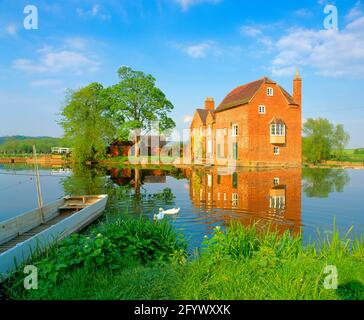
99, 235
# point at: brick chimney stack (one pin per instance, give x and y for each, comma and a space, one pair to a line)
297, 88
210, 104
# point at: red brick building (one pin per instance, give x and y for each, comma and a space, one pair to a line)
257, 124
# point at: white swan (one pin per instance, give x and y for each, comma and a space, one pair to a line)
171, 211
159, 216
162, 213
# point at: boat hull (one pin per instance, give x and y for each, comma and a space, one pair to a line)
22, 252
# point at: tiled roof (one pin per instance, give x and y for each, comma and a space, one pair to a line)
288, 97
203, 114
243, 94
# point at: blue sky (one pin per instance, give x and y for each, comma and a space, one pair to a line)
194, 48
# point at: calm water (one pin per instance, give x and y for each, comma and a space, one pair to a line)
290, 199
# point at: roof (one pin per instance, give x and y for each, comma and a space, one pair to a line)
203, 114
244, 94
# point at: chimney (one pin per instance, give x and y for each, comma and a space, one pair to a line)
297, 88
210, 104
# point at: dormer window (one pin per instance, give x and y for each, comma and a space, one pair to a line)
270, 92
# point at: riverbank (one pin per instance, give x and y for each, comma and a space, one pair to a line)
139, 259
44, 160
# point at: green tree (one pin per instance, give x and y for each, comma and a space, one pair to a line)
136, 103
86, 122
322, 138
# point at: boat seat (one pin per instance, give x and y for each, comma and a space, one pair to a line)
73, 207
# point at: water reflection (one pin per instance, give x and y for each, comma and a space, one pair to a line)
319, 183
268, 196
208, 197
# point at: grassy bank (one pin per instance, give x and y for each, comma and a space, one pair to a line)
139, 259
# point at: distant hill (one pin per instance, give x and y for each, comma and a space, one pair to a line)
24, 144
3, 139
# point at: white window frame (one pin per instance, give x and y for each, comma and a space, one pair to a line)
270, 92
261, 109
235, 199
277, 202
276, 151
276, 181
235, 130
225, 131
278, 129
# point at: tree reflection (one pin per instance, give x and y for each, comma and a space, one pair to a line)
87, 180
319, 183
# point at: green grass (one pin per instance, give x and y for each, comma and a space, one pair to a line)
240, 263
351, 155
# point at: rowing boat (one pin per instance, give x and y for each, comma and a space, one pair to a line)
36, 230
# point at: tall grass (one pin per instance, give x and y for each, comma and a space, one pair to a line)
239, 263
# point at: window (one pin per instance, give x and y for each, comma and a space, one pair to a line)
235, 130
270, 92
235, 199
218, 196
225, 197
209, 180
276, 151
235, 151
235, 180
219, 151
218, 179
278, 202
209, 196
225, 132
277, 129
276, 181
261, 109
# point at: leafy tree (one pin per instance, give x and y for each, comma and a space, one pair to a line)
86, 122
321, 138
136, 103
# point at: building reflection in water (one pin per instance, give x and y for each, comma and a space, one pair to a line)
269, 196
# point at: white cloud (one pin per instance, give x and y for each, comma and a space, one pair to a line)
328, 52
76, 43
303, 13
11, 29
198, 51
46, 83
186, 4
96, 11
187, 118
251, 31
53, 60
355, 12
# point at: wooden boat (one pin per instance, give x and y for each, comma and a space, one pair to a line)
36, 230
